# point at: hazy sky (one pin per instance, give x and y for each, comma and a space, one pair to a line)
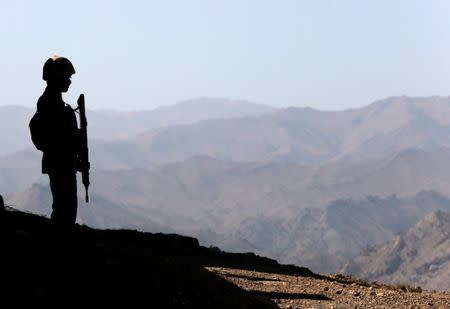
141, 54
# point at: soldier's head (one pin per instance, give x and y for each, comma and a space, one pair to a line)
57, 72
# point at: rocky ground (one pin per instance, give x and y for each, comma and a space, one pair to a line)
111, 269
130, 269
330, 291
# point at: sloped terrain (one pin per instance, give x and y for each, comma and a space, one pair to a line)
315, 217
117, 269
130, 269
419, 255
331, 291
381, 168
248, 133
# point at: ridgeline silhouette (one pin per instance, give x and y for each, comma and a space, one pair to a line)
131, 269
120, 269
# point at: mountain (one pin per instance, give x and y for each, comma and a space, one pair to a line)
14, 126
300, 135
105, 213
326, 239
314, 216
19, 170
269, 205
218, 187
126, 268
119, 268
272, 183
419, 256
308, 136
113, 125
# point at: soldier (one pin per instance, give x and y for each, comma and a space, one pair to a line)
55, 132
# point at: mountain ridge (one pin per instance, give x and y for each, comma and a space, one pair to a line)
418, 255
300, 135
308, 136
126, 268
270, 199
113, 124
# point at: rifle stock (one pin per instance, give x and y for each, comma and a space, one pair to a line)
84, 151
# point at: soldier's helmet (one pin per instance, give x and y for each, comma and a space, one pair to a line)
57, 67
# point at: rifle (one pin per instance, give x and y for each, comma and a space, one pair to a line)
84, 151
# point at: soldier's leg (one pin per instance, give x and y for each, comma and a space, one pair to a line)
64, 190
58, 200
71, 200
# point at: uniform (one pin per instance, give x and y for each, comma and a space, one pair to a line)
59, 159
54, 131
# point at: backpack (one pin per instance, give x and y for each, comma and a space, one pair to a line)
37, 130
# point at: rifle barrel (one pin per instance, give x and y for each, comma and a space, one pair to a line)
84, 146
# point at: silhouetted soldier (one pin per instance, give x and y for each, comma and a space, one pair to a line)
55, 132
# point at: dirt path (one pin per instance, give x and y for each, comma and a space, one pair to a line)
330, 291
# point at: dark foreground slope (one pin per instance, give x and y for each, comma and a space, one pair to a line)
119, 268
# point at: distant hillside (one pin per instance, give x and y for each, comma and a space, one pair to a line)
19, 171
14, 127
105, 213
280, 183
345, 228
300, 135
339, 210
265, 205
419, 256
306, 136
217, 187
111, 125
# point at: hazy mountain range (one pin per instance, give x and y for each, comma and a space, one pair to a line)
108, 130
313, 216
315, 188
112, 125
300, 135
307, 136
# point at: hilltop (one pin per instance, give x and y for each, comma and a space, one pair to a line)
130, 269
118, 269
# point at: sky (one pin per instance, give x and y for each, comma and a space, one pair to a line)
133, 55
